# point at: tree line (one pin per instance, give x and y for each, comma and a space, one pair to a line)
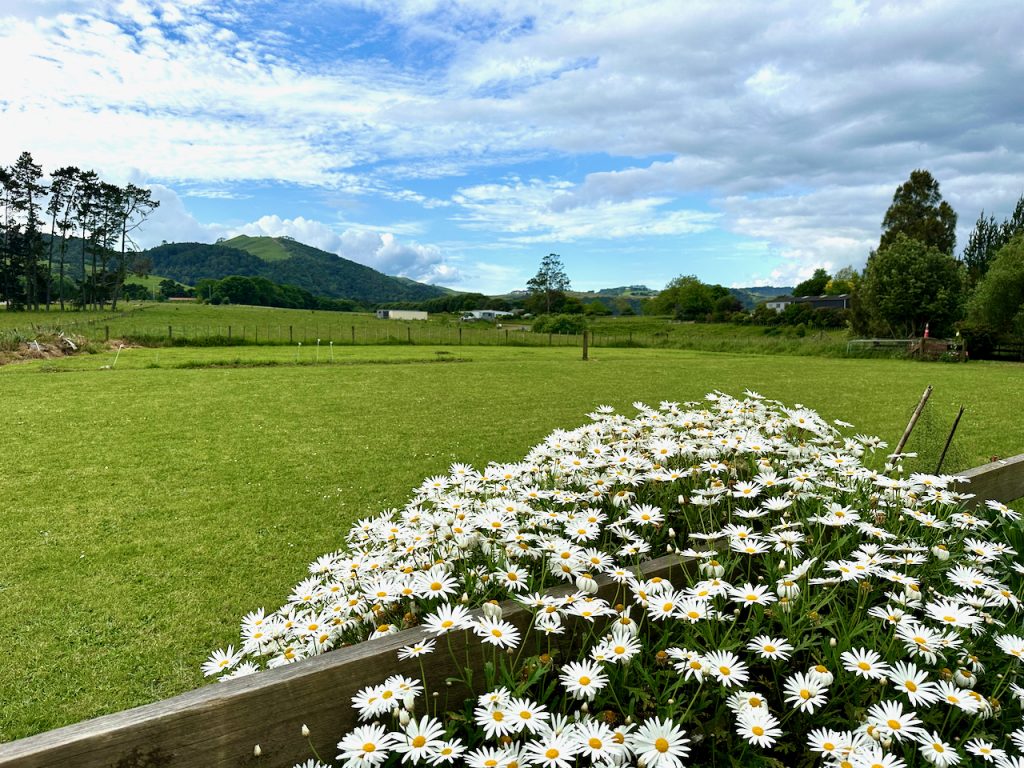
67, 240
912, 283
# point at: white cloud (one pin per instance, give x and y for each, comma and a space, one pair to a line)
799, 118
536, 211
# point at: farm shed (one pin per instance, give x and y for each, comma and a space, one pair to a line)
401, 314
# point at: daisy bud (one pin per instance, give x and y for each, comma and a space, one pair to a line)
465, 598
886, 742
305, 730
672, 532
492, 610
257, 751
585, 708
940, 552
403, 717
831, 642
586, 583
409, 702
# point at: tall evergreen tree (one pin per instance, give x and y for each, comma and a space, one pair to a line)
550, 283
919, 212
987, 238
64, 191
28, 192
87, 218
135, 205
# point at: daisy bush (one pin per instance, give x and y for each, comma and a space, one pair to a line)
827, 613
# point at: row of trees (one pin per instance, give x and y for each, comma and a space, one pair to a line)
68, 240
261, 292
912, 280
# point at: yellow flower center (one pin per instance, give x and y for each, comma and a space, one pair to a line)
911, 686
805, 694
595, 743
584, 680
551, 754
757, 730
864, 665
419, 741
369, 747
661, 745
725, 671
894, 725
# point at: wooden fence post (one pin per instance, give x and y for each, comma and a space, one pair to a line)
170, 333
291, 335
585, 347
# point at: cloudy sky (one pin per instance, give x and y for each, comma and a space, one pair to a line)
458, 141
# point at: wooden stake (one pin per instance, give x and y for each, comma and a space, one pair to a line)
913, 419
942, 458
586, 348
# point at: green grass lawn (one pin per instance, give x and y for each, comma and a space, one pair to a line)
149, 506
157, 323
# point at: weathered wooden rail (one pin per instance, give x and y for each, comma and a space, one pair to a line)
219, 726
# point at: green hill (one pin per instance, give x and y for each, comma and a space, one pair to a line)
286, 262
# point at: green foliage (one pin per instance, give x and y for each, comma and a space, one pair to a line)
547, 288
687, 298
907, 284
597, 308
987, 238
305, 267
998, 301
814, 285
919, 212
565, 324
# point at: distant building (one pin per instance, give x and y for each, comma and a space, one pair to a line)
840, 301
489, 315
401, 314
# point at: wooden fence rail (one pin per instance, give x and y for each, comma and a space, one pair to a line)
219, 725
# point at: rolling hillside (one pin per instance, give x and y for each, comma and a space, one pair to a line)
287, 262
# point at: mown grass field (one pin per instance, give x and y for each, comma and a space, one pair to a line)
147, 507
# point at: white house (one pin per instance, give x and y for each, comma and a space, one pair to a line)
401, 314
485, 314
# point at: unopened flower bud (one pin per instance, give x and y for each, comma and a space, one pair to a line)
492, 610
403, 717
257, 751
305, 730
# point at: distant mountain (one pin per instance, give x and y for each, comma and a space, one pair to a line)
286, 262
751, 297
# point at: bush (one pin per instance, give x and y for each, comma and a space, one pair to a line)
820, 601
564, 324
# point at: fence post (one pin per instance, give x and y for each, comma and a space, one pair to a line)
106, 333
460, 335
291, 335
408, 333
169, 332
586, 349
229, 333
550, 337
353, 334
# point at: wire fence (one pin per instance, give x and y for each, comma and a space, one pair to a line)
132, 329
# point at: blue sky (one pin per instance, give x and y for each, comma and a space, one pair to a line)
458, 142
